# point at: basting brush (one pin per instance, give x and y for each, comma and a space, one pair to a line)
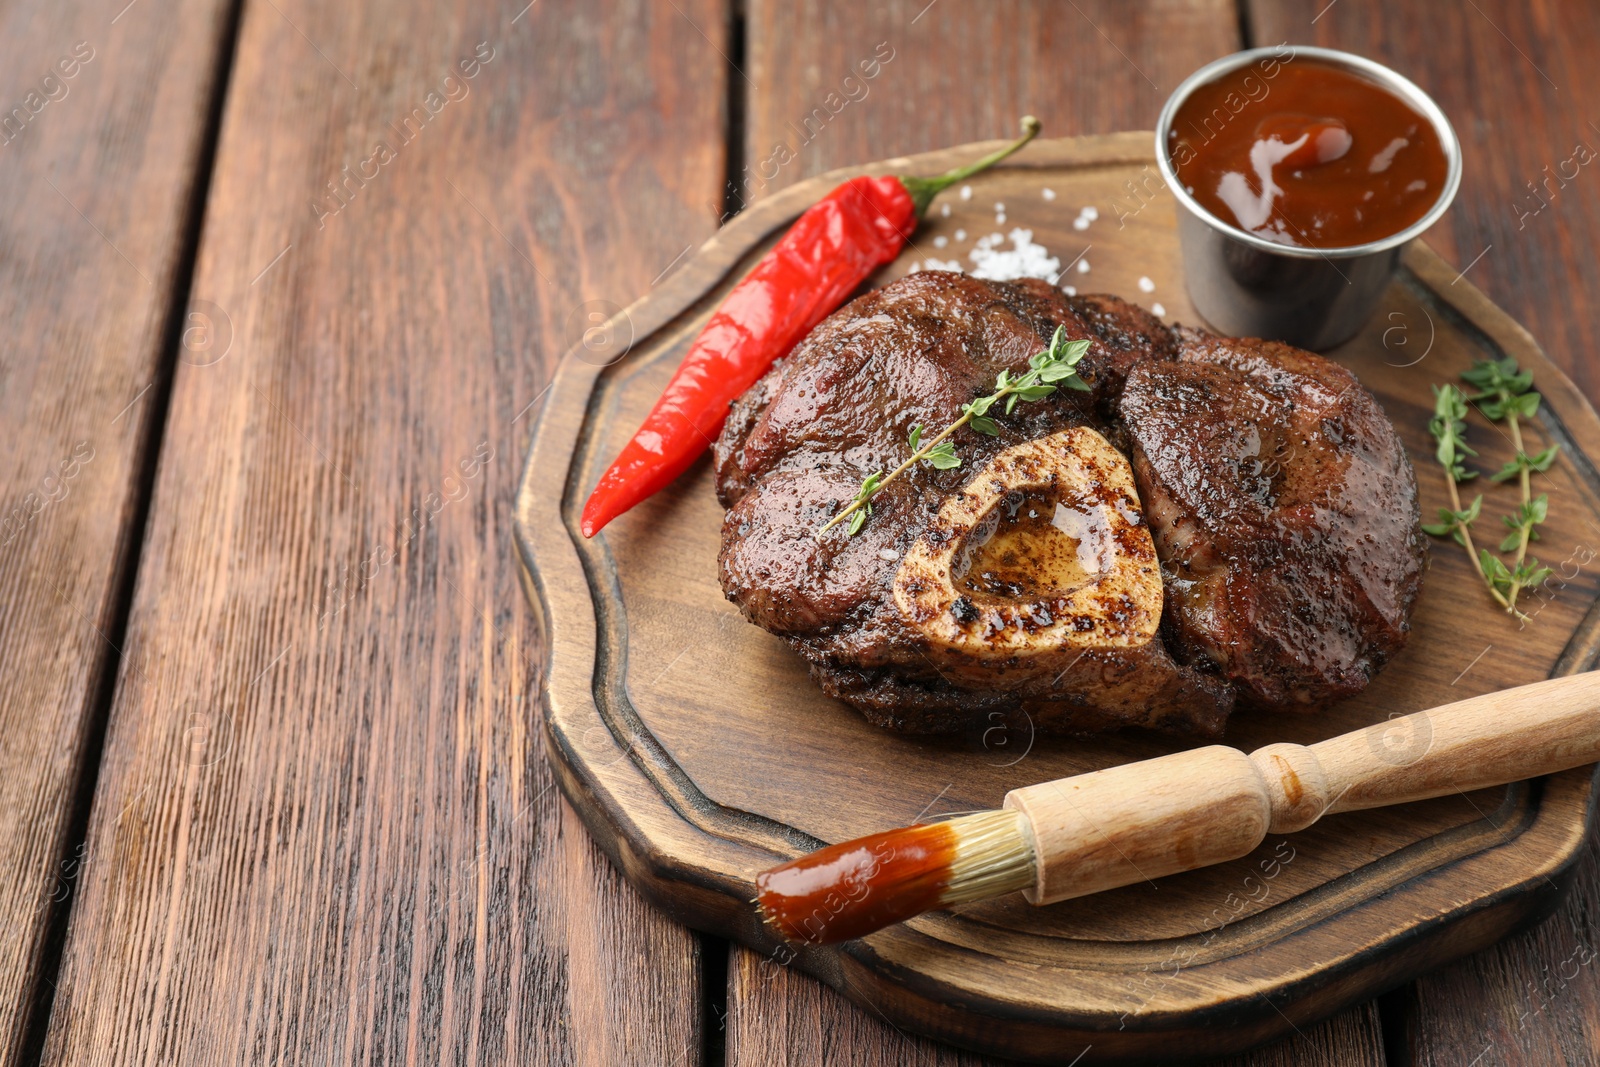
1140, 821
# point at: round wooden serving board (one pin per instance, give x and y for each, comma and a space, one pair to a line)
698, 751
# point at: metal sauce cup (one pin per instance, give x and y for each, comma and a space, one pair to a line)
1248, 286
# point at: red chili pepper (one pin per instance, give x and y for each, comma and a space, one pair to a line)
829, 251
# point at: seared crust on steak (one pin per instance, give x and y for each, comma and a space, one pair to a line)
1285, 513
1127, 334
840, 406
1272, 496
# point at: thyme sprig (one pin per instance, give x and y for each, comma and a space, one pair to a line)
1054, 367
1449, 429
1504, 393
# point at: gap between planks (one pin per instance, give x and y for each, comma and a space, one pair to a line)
147, 455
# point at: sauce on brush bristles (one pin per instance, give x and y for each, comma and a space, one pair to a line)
852, 889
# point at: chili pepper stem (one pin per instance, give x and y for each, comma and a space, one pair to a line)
923, 190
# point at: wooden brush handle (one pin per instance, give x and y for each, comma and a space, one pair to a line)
1488, 740
1190, 809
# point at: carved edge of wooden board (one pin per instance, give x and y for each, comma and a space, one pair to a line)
1256, 984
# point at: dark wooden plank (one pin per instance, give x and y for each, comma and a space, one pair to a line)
103, 124
830, 84
1520, 85
778, 1016
325, 831
1351, 1037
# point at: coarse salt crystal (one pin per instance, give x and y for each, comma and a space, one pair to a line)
961, 235
1083, 266
1090, 212
1048, 194
966, 192
944, 209
940, 264
1158, 311
1146, 285
1000, 217
941, 241
999, 208
888, 555
1023, 259
1080, 223
1070, 290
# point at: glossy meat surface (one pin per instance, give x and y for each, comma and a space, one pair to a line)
1278, 502
1285, 513
841, 406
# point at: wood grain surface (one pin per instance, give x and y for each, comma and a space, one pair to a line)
781, 1018
103, 131
953, 72
693, 784
1520, 84
324, 830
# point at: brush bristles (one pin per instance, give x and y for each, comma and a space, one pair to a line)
851, 889
993, 856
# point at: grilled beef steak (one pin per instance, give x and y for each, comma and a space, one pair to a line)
1047, 572
1285, 512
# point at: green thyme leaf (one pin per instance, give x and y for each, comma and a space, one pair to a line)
1055, 364
1509, 471
1493, 567
943, 457
1449, 428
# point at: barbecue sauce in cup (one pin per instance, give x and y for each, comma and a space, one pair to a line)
1310, 155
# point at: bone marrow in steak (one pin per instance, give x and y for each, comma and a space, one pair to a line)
1033, 576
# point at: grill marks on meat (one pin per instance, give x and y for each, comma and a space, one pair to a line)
1285, 513
842, 404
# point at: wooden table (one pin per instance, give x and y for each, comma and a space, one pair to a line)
283, 282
